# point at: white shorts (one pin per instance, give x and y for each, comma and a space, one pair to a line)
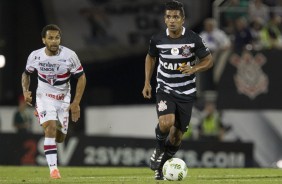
51, 106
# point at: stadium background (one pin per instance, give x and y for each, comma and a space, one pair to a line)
117, 123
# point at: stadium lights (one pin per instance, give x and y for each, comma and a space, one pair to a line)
279, 164
2, 61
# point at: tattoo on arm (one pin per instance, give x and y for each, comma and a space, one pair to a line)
25, 82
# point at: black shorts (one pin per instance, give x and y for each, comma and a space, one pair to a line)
168, 104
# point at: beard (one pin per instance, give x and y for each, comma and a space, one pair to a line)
53, 49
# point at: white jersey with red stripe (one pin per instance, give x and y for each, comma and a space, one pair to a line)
54, 72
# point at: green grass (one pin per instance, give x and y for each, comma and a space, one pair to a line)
115, 175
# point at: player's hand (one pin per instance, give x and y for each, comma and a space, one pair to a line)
187, 69
75, 111
147, 91
27, 97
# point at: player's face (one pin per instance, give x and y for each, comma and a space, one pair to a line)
52, 41
173, 20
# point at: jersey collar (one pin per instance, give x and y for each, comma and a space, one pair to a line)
183, 31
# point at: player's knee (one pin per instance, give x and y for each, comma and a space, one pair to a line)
166, 123
50, 129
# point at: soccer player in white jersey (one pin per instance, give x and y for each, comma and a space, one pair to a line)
55, 65
177, 48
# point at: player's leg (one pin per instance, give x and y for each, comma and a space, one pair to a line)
162, 132
47, 117
50, 147
165, 110
173, 142
60, 136
183, 116
181, 122
62, 123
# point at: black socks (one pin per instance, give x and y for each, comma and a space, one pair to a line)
171, 149
161, 138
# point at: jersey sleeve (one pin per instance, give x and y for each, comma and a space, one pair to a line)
153, 51
29, 68
76, 68
201, 50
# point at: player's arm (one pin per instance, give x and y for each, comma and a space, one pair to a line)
25, 87
74, 107
204, 64
204, 55
150, 63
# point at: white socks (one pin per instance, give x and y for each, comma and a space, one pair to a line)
50, 149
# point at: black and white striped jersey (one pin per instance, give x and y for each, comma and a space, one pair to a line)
172, 53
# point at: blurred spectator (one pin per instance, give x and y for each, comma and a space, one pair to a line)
258, 9
22, 118
255, 27
234, 10
216, 40
271, 34
242, 37
210, 126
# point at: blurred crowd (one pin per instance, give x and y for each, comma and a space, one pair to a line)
242, 25
247, 24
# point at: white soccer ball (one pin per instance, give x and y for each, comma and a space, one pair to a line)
175, 169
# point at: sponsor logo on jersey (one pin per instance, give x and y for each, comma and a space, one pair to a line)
56, 97
164, 51
175, 66
250, 79
171, 66
174, 51
162, 106
49, 67
186, 51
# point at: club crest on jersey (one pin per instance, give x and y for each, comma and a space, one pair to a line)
51, 78
250, 79
186, 51
174, 51
162, 106
42, 114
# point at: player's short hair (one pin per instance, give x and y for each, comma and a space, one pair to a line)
50, 27
175, 5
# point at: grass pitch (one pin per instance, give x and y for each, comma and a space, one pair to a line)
134, 175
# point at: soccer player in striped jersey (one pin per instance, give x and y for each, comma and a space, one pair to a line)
55, 65
177, 48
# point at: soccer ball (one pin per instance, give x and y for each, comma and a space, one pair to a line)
175, 169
